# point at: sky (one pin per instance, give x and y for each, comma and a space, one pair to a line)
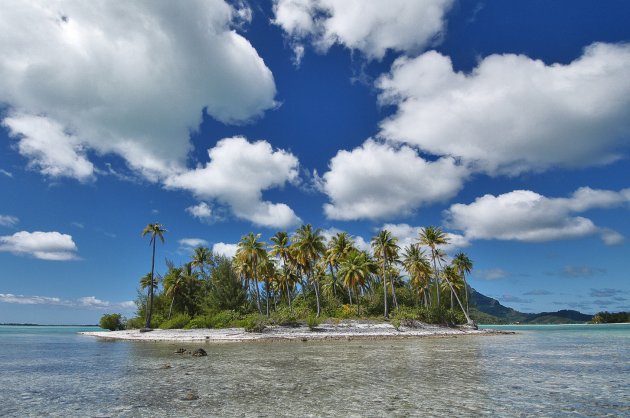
505, 123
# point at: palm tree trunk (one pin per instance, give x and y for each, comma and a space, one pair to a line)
466, 288
384, 290
267, 291
317, 297
358, 302
334, 279
257, 295
350, 295
470, 321
436, 278
171, 308
289, 296
452, 306
150, 312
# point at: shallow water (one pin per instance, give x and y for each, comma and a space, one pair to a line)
579, 371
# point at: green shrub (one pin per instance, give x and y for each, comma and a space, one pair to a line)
312, 322
112, 322
396, 323
135, 323
284, 317
253, 323
454, 317
199, 322
222, 319
177, 322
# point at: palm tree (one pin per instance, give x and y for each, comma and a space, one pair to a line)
432, 237
173, 283
250, 252
155, 230
338, 246
464, 266
448, 273
386, 249
354, 270
267, 271
201, 258
418, 268
281, 249
309, 246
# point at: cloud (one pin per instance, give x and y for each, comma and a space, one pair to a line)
8, 220
237, 174
372, 27
49, 148
513, 299
491, 274
523, 215
605, 293
42, 245
511, 113
131, 79
228, 250
581, 271
537, 292
377, 181
202, 211
188, 244
6, 173
408, 235
86, 302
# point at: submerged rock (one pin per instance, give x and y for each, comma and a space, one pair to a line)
190, 396
200, 352
180, 351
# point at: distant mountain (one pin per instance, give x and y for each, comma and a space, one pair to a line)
487, 310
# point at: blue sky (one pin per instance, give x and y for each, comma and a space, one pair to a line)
508, 123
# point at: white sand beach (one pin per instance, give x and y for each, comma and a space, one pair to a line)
347, 330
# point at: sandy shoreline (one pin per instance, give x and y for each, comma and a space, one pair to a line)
347, 330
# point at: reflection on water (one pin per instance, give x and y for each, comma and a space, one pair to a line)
530, 373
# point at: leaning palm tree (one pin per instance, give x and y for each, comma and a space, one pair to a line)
432, 237
385, 248
155, 230
250, 252
464, 266
309, 246
354, 270
449, 272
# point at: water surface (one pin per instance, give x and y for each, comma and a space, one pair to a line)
574, 370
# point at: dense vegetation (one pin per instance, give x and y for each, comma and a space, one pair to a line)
112, 322
302, 278
611, 317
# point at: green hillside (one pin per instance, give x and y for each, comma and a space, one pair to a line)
486, 310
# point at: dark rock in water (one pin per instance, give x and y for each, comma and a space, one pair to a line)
166, 366
145, 329
180, 351
200, 352
190, 397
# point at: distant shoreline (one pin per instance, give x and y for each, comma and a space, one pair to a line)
346, 330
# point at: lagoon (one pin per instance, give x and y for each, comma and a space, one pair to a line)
578, 370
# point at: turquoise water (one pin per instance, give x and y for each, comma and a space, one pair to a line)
541, 371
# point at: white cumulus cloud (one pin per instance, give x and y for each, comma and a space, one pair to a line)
512, 113
375, 181
86, 302
372, 27
237, 174
128, 78
523, 215
202, 211
41, 245
228, 250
